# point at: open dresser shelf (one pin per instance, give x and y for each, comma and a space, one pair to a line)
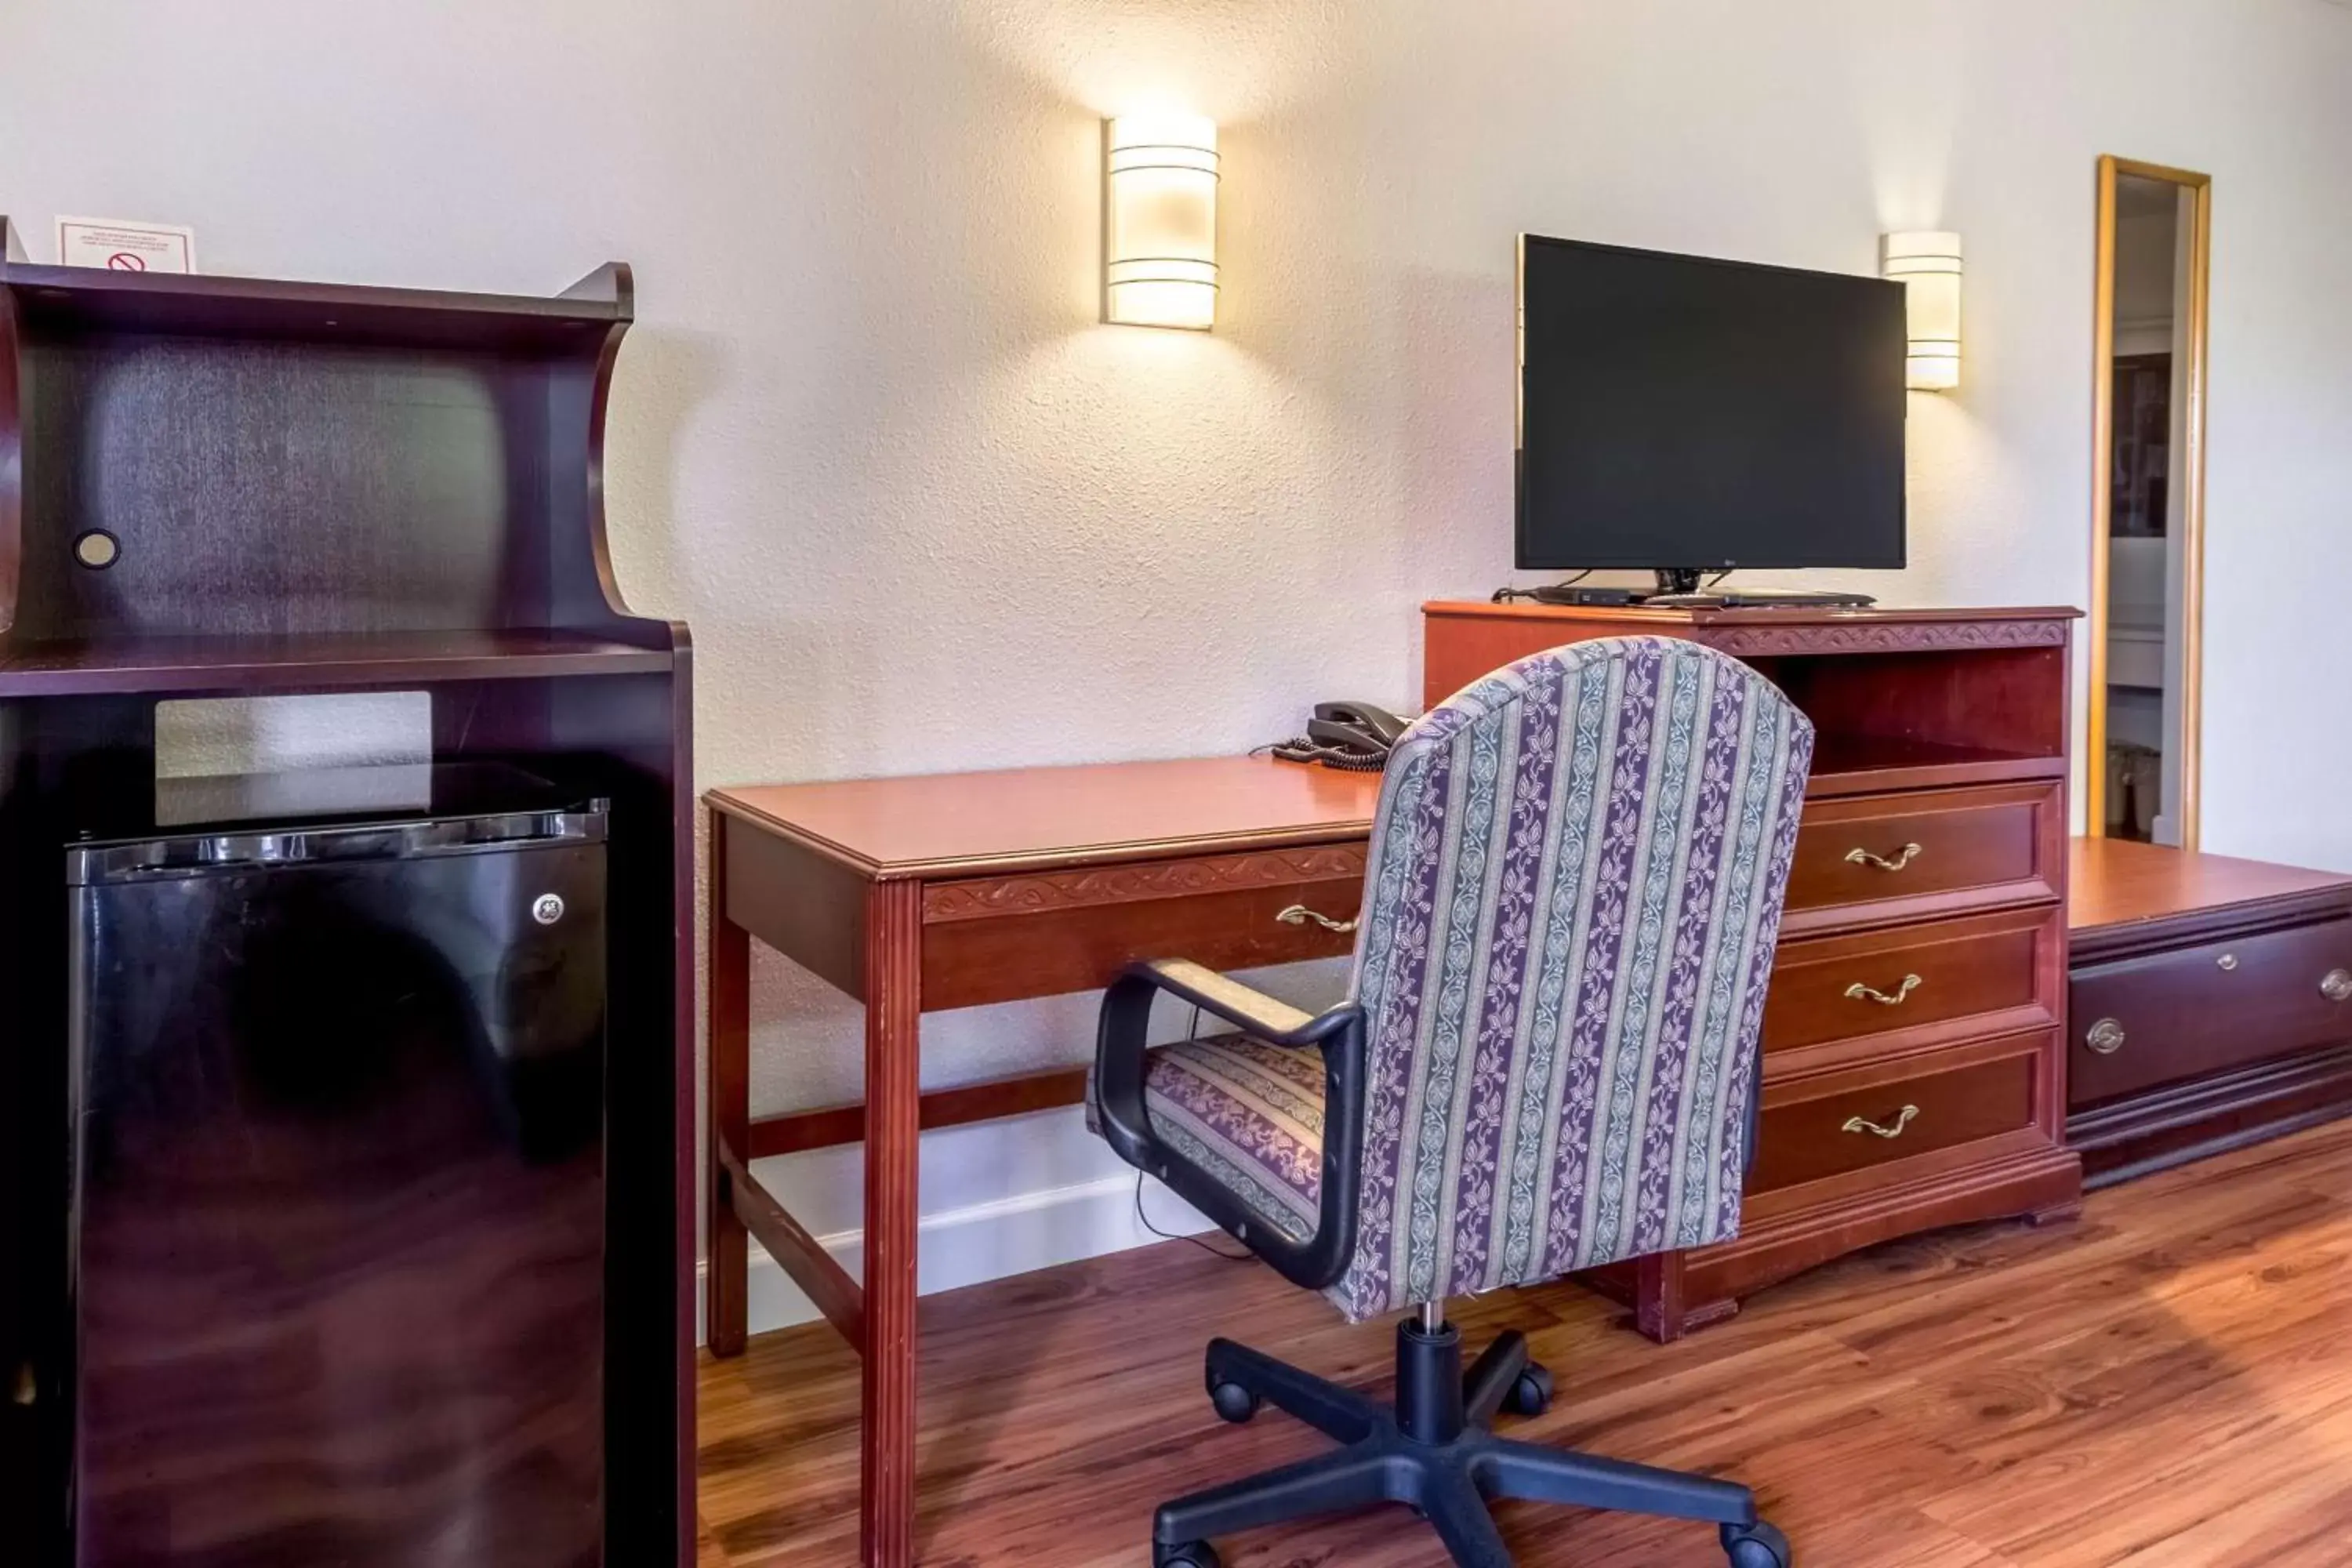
319, 662
94, 300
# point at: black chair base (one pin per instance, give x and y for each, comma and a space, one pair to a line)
1436, 1453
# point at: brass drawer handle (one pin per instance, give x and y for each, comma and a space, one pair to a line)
2106, 1036
1859, 1124
1860, 993
1300, 914
2336, 984
1903, 856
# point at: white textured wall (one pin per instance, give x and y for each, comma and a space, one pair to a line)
924, 513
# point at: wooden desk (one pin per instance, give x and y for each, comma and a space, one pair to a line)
918, 894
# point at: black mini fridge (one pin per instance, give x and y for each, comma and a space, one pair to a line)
338, 1199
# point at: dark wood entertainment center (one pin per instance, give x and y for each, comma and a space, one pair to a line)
1915, 1051
215, 487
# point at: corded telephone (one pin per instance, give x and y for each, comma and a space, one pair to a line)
1344, 735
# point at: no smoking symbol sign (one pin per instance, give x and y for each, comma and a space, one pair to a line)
126, 261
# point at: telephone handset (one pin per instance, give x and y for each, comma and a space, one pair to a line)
1344, 735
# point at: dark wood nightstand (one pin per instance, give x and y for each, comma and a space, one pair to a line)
2209, 1003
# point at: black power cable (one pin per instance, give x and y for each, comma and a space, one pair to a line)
1192, 1032
1504, 595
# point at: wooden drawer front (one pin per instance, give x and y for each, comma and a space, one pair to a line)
1828, 1132
1949, 849
996, 938
1945, 973
2173, 1016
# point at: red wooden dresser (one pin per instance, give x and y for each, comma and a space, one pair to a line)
1915, 1058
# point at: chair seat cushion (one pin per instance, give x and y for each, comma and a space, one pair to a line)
1251, 1115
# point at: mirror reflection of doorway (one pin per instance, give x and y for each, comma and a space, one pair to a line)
2154, 238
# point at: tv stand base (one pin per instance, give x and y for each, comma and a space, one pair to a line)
1687, 599
1761, 599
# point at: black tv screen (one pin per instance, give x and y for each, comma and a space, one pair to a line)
1676, 412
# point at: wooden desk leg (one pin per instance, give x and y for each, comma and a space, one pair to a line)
727, 1092
894, 971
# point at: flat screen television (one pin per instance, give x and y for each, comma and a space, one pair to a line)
1684, 414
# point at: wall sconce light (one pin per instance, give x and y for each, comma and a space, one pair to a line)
1160, 221
1928, 265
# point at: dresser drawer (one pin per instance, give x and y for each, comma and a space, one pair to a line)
1956, 973
1852, 1121
1945, 850
1078, 929
2140, 1022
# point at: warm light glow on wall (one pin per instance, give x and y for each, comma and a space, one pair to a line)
1928, 265
1160, 221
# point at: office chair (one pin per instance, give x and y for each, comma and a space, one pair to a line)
1547, 1061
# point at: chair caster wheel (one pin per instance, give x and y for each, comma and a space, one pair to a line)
1184, 1554
1756, 1545
1531, 1395
1234, 1403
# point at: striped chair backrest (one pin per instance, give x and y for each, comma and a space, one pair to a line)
1574, 892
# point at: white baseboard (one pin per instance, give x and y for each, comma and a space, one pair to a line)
986, 1241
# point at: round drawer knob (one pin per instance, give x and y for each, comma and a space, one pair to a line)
2337, 985
2106, 1037
2227, 962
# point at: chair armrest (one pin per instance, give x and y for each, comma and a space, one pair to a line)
1261, 1015
1120, 1051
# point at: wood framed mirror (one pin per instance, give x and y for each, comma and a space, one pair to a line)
2149, 502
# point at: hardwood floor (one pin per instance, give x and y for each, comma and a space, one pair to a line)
2165, 1382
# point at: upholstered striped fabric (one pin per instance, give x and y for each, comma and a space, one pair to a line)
1251, 1115
1573, 900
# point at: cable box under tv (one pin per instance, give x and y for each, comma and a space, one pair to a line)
1610, 598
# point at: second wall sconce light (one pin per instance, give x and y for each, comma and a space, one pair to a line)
1928, 265
1160, 221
